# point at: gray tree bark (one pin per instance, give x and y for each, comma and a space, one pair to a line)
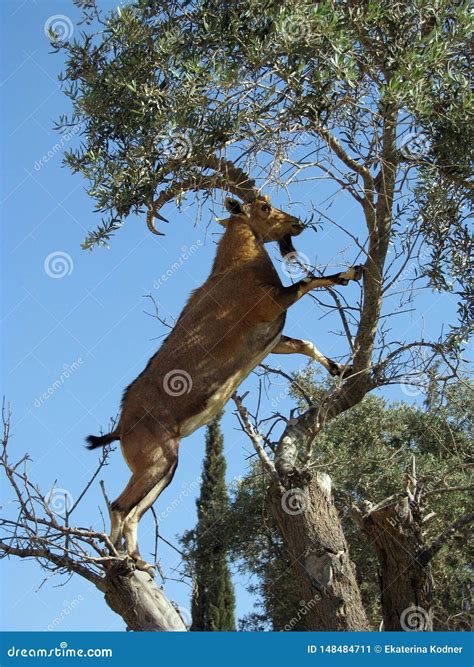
135, 596
324, 574
406, 583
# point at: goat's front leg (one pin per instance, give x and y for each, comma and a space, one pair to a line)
288, 345
276, 300
294, 292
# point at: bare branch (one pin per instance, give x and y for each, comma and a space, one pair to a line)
254, 436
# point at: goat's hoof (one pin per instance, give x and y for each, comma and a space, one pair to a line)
142, 565
335, 369
354, 273
358, 271
339, 371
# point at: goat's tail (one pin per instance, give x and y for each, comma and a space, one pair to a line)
101, 440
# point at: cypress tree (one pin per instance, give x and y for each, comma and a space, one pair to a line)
213, 597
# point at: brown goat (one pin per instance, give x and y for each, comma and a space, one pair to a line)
226, 329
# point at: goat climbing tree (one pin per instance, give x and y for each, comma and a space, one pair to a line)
182, 97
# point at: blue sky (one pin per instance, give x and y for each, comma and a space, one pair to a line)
75, 332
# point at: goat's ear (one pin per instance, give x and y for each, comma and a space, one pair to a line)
223, 221
233, 206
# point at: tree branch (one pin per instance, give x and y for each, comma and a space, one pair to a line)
254, 436
430, 552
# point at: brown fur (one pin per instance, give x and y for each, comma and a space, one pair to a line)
226, 329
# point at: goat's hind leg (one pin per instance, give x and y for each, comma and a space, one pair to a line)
287, 345
138, 486
153, 461
133, 517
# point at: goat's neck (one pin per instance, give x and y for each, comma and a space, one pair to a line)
239, 246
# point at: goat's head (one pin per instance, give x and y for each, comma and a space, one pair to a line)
267, 223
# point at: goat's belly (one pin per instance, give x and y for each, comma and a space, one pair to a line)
216, 402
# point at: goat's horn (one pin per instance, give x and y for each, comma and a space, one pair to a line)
151, 215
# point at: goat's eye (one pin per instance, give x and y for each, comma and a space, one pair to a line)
265, 208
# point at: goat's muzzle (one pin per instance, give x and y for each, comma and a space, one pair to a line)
286, 244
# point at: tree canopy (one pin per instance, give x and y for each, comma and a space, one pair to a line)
166, 93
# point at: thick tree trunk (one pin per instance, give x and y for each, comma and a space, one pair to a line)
310, 527
394, 529
135, 596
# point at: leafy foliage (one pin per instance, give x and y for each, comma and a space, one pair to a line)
213, 596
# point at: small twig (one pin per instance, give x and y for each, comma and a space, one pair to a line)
448, 489
104, 493
291, 380
101, 464
254, 436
